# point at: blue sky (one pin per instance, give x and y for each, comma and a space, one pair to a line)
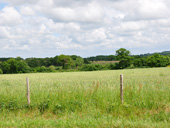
2, 5
87, 28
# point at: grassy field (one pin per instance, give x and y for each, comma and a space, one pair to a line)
87, 99
104, 62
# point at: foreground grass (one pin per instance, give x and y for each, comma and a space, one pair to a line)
87, 99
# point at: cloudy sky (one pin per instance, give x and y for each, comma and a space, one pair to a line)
46, 28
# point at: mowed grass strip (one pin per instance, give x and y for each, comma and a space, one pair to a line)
87, 99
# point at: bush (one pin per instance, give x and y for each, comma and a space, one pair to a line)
51, 68
88, 67
92, 67
1, 72
15, 66
41, 69
131, 67
114, 66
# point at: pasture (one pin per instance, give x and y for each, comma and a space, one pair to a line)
87, 99
104, 62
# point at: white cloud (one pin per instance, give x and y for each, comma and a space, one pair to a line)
148, 10
9, 16
91, 12
27, 11
133, 26
4, 32
86, 28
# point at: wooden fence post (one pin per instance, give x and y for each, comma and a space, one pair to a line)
121, 88
28, 91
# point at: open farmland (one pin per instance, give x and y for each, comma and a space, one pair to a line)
104, 62
87, 99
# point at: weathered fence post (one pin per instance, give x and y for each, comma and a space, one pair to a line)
28, 91
121, 88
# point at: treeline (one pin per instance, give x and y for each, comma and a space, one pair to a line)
123, 59
150, 54
20, 65
113, 57
102, 58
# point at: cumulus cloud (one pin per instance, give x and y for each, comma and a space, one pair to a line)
149, 10
91, 12
9, 16
28, 11
47, 28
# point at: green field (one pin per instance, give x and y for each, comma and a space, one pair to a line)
104, 62
87, 99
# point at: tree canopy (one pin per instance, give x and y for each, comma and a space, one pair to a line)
123, 55
74, 62
65, 61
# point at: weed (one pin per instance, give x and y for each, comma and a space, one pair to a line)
43, 105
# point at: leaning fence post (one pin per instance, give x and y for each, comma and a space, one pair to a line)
28, 91
121, 88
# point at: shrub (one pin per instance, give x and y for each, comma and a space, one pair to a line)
41, 69
88, 67
114, 66
92, 67
15, 66
51, 68
1, 72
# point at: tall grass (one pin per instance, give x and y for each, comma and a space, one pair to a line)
87, 99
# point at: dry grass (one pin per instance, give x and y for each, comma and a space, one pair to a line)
104, 62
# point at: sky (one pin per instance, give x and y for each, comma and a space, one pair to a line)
46, 28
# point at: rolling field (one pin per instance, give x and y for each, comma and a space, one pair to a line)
87, 99
104, 62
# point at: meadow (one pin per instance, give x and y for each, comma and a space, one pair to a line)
87, 99
104, 62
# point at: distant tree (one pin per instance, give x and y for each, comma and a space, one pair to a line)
19, 58
86, 61
6, 67
4, 59
1, 64
55, 62
33, 62
15, 66
111, 57
79, 61
74, 57
101, 58
123, 55
66, 61
51, 68
1, 72
41, 69
158, 60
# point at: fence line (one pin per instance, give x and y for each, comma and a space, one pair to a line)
121, 88
28, 91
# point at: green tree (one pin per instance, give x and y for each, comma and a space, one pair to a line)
52, 68
1, 72
19, 58
86, 61
41, 69
123, 55
15, 66
79, 61
66, 61
158, 60
74, 57
111, 57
